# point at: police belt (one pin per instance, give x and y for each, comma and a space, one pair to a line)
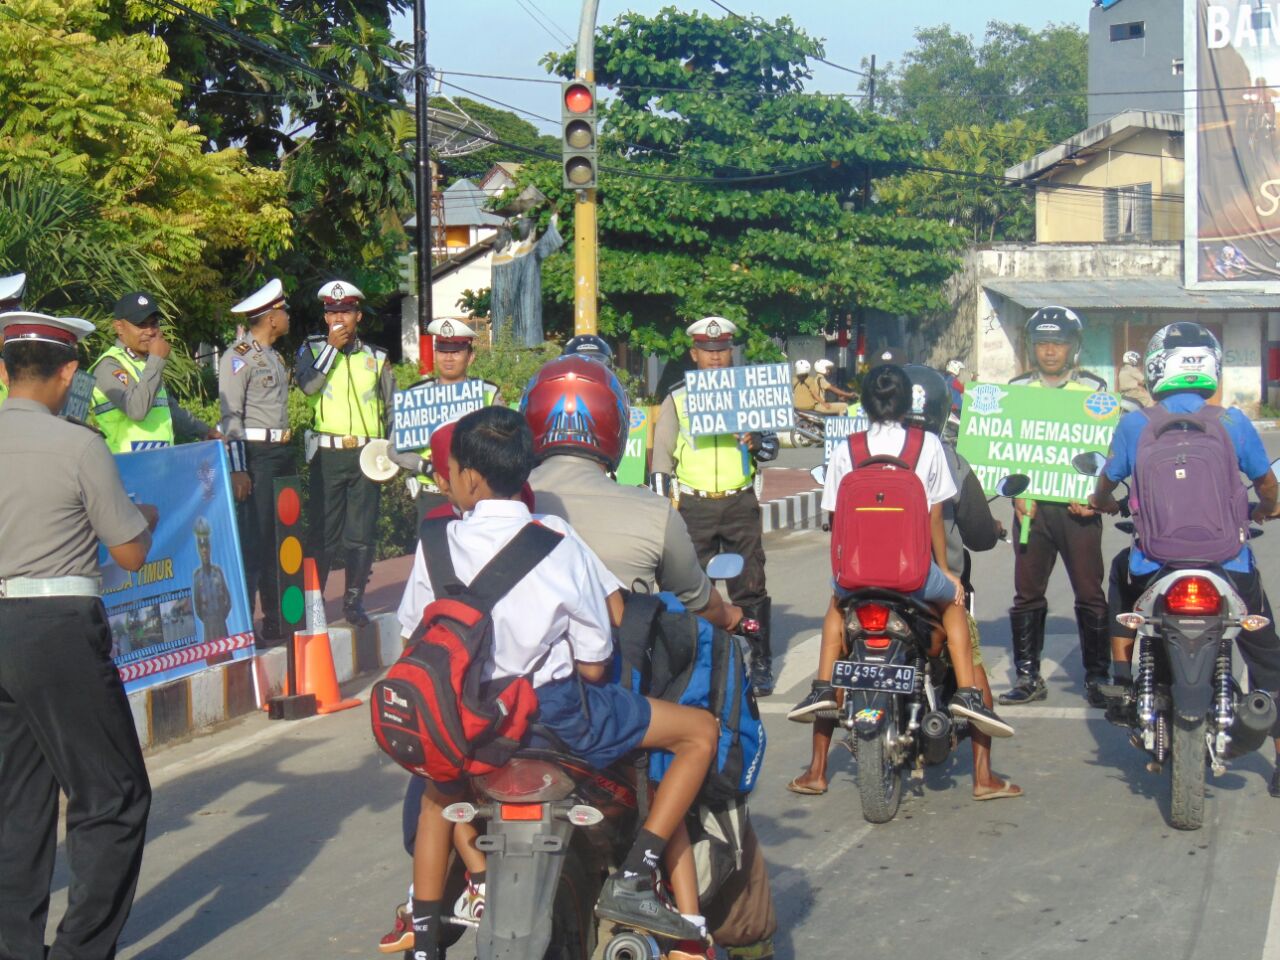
712, 494
330, 441
14, 587
262, 435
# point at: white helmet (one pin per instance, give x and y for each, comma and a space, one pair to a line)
955, 367
1184, 356
823, 366
803, 367
1132, 357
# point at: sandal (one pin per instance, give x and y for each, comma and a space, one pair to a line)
795, 786
1008, 791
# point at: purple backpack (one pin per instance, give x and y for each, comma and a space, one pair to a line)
1192, 503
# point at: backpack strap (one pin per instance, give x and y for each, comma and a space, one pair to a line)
513, 563
434, 536
859, 452
912, 447
635, 636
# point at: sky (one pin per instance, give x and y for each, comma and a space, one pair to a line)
510, 36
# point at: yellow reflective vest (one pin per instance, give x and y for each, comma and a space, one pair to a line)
713, 464
123, 434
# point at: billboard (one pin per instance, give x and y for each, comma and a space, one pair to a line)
1232, 204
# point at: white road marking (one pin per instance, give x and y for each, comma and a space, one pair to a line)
799, 663
793, 875
1271, 947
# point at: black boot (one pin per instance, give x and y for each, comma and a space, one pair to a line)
1027, 628
1095, 651
359, 563
761, 647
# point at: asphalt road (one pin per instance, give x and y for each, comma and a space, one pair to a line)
283, 841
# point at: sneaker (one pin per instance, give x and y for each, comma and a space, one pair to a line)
819, 703
1121, 709
400, 938
632, 900
967, 703
470, 906
1024, 690
1093, 693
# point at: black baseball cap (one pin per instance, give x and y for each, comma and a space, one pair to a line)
136, 306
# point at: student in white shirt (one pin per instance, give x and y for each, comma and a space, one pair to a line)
558, 611
887, 400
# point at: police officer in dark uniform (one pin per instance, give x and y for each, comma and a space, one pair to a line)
65, 724
1054, 336
712, 479
351, 387
209, 591
253, 389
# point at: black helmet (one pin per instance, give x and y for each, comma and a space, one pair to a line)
1054, 325
930, 397
590, 346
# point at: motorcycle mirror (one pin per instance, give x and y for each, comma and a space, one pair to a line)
1090, 463
1013, 485
725, 566
819, 474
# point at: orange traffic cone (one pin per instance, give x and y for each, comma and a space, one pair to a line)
312, 651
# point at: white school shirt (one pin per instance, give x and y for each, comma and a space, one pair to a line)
888, 438
563, 597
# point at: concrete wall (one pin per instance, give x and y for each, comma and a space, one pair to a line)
1071, 215
1144, 65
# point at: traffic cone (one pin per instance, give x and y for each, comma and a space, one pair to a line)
313, 654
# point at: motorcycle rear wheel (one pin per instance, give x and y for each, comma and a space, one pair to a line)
573, 921
879, 779
1186, 808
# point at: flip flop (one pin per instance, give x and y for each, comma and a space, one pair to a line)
1009, 791
795, 786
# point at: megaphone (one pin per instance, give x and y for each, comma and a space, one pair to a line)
375, 462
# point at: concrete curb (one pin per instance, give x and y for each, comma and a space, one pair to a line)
797, 511
176, 710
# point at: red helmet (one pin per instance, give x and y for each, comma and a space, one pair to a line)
577, 406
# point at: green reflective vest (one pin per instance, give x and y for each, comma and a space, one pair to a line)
123, 434
713, 464
349, 404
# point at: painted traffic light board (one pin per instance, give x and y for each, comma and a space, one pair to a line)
289, 537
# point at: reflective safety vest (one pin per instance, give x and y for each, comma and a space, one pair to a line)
349, 405
490, 395
713, 464
1079, 380
122, 434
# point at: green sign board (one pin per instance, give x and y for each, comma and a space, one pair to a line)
1008, 429
634, 466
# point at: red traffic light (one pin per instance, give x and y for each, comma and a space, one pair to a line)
579, 98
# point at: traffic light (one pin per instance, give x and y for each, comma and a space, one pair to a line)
578, 126
289, 536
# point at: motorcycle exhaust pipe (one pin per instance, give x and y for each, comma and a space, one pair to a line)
935, 736
1255, 718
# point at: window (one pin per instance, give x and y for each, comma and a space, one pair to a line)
1177, 67
1134, 30
1126, 213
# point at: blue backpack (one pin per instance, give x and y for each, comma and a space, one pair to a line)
672, 655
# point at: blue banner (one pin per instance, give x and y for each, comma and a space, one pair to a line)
739, 399
419, 410
838, 429
187, 608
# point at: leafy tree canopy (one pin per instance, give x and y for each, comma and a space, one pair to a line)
752, 208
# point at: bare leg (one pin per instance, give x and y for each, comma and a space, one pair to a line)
431, 847
984, 781
832, 640
464, 841
681, 871
955, 620
690, 734
816, 775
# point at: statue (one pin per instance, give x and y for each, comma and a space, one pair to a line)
516, 297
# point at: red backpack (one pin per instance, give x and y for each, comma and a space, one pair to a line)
880, 533
431, 713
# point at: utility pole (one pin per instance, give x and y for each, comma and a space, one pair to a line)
860, 335
585, 254
422, 183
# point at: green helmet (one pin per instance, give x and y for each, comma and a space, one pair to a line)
1183, 357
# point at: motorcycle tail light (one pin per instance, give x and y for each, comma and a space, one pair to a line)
526, 780
459, 813
521, 811
1193, 596
876, 643
873, 617
1131, 621
1254, 622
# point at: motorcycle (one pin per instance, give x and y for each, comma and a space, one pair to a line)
1186, 708
810, 429
894, 709
552, 829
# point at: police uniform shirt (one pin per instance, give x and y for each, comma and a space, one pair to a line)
1078, 380
60, 494
253, 388
666, 432
134, 395
316, 358
636, 534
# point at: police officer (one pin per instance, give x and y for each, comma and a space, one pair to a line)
454, 352
65, 724
1054, 336
351, 386
11, 290
711, 478
642, 541
253, 390
209, 593
131, 404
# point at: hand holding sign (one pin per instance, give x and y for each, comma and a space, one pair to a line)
739, 400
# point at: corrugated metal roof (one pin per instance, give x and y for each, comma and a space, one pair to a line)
1156, 293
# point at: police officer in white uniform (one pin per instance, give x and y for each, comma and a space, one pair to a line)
65, 724
11, 290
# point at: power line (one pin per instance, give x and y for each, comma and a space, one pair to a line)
545, 29
759, 25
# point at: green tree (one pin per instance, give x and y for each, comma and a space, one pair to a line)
983, 204
751, 204
949, 80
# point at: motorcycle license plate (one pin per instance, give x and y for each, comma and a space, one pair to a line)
883, 677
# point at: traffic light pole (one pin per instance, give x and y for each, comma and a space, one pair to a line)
422, 183
585, 253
